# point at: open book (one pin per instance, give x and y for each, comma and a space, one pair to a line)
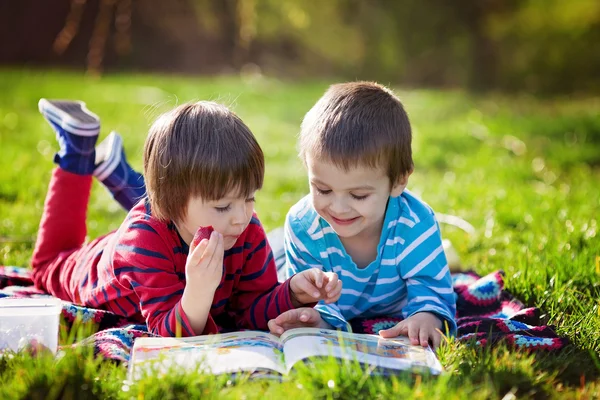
263, 354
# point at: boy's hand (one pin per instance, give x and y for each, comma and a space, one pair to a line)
420, 328
304, 317
203, 273
314, 285
204, 266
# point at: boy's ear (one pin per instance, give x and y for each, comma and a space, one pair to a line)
400, 185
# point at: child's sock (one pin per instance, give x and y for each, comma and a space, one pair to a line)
77, 131
125, 184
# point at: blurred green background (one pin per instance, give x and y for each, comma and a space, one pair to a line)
536, 46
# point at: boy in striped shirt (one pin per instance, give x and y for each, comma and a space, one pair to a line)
202, 167
360, 222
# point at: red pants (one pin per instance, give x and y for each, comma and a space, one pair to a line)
61, 234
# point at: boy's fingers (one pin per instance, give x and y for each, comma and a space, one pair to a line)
424, 336
293, 318
413, 333
334, 294
210, 248
310, 315
197, 253
332, 277
317, 277
394, 331
287, 317
303, 314
389, 333
199, 249
217, 250
274, 328
307, 287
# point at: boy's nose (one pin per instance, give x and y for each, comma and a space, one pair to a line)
240, 217
339, 206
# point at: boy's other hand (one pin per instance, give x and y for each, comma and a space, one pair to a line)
204, 266
420, 329
313, 285
304, 317
203, 273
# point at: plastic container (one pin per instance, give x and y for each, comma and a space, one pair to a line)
29, 324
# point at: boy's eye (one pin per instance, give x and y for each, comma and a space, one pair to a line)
321, 191
357, 197
250, 200
223, 209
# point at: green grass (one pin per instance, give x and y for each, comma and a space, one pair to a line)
524, 171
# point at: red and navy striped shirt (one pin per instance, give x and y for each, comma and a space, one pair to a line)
138, 271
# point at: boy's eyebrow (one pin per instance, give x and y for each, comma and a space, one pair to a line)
363, 187
233, 198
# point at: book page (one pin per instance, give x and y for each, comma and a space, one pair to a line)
224, 353
396, 353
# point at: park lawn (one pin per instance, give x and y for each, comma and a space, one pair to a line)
525, 172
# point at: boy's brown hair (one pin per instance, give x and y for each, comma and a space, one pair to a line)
359, 124
199, 150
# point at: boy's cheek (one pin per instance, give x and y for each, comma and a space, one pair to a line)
317, 201
320, 207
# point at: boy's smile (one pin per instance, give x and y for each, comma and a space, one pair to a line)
344, 221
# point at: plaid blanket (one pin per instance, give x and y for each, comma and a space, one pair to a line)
486, 314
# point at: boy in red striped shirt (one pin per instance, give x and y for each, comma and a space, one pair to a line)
202, 167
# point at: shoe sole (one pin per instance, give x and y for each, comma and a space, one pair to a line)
72, 116
114, 142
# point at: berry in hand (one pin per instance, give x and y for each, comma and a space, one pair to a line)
202, 233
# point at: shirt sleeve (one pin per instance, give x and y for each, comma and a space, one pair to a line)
258, 296
425, 270
299, 258
141, 262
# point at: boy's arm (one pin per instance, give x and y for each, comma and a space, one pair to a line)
141, 262
299, 258
425, 270
258, 296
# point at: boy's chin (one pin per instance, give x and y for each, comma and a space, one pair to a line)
349, 232
228, 243
345, 232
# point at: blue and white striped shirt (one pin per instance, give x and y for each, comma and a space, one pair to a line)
409, 275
